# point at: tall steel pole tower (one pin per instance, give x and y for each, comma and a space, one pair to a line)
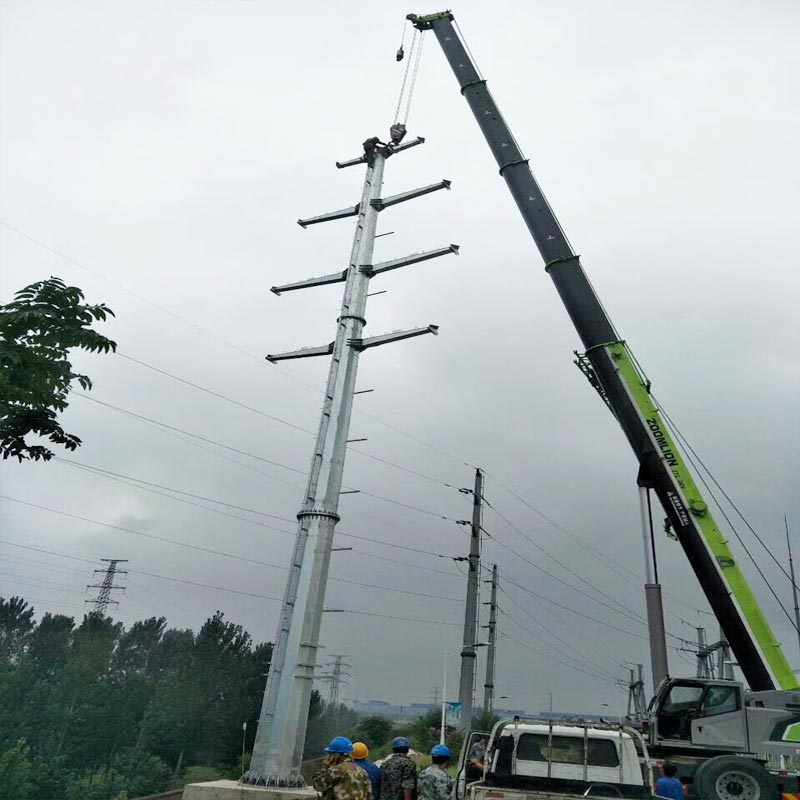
104, 589
466, 686
488, 686
278, 748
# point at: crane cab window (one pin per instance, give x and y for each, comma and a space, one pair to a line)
720, 700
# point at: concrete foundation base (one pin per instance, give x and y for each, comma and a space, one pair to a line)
233, 790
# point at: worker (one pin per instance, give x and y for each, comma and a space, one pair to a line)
668, 785
361, 759
340, 778
398, 773
477, 753
370, 146
434, 782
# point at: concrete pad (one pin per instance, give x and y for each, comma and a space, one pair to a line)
233, 790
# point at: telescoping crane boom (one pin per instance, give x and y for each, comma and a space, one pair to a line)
613, 370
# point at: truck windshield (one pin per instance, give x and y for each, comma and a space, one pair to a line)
567, 750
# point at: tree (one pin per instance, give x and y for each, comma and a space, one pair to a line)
374, 731
37, 331
16, 623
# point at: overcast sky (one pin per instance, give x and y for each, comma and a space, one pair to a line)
169, 147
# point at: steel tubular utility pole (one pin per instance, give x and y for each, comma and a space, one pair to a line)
659, 664
488, 687
794, 582
466, 686
278, 747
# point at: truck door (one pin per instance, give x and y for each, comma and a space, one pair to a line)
720, 722
702, 714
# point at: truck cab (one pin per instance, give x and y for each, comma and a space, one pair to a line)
558, 759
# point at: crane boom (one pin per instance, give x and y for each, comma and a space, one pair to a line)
612, 369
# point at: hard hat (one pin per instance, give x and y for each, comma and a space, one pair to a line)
400, 741
339, 744
441, 750
360, 750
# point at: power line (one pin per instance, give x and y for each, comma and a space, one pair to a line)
583, 666
619, 569
219, 552
578, 655
275, 463
558, 561
223, 341
631, 616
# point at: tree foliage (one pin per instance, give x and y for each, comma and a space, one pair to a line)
93, 711
37, 330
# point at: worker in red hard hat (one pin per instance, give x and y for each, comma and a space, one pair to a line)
361, 759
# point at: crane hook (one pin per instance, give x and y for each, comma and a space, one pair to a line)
400, 54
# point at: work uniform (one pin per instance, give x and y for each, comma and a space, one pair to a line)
397, 773
373, 773
434, 784
343, 781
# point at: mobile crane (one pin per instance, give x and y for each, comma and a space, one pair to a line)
714, 730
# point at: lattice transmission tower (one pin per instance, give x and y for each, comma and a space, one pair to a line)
104, 589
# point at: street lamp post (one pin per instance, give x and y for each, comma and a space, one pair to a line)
448, 654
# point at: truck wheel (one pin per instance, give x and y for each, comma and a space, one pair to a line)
732, 778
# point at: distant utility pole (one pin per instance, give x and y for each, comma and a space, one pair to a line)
637, 706
466, 686
104, 589
703, 667
435, 697
488, 687
278, 748
706, 668
794, 582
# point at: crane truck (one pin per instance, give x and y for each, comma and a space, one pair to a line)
715, 731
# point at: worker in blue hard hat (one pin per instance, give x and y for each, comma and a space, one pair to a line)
340, 778
434, 783
398, 773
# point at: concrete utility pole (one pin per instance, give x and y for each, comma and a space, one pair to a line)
794, 582
652, 588
278, 748
466, 686
103, 599
488, 687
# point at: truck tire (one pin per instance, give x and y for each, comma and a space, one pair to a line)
732, 778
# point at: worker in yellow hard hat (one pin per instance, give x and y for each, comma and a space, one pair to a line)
361, 759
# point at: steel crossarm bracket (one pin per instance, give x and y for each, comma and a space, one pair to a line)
324, 280
306, 352
395, 336
331, 215
398, 148
351, 163
385, 202
385, 266
391, 149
